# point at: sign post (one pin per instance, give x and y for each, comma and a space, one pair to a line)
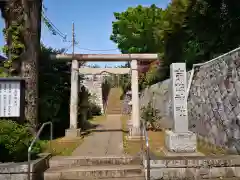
12, 98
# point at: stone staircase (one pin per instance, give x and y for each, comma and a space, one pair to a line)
114, 104
89, 168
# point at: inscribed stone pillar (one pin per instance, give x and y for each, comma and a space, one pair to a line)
179, 98
135, 130
180, 139
73, 130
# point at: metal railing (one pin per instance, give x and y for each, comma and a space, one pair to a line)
146, 149
34, 141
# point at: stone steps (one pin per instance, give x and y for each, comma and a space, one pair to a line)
87, 168
71, 161
123, 178
143, 178
90, 172
114, 110
114, 105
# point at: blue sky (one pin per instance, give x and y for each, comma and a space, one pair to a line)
93, 23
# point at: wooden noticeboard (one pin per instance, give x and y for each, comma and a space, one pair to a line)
12, 97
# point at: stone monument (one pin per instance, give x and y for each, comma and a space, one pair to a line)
179, 140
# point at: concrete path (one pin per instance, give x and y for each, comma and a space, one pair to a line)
107, 140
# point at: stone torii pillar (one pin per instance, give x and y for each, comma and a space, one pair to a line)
73, 130
135, 128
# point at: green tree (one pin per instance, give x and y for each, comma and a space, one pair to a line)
137, 30
200, 30
54, 90
186, 31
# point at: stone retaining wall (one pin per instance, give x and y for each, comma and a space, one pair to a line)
213, 102
194, 168
19, 171
95, 89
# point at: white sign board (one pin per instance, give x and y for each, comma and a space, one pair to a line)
10, 98
179, 99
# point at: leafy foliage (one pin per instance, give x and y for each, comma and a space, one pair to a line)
150, 114
136, 30
14, 46
54, 89
186, 31
94, 110
153, 75
14, 142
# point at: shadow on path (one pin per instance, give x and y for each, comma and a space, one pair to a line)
106, 139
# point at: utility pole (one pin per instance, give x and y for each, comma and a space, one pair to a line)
73, 39
73, 130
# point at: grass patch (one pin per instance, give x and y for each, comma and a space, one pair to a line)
97, 119
132, 147
156, 142
65, 146
209, 149
62, 146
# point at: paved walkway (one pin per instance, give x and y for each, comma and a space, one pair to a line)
107, 140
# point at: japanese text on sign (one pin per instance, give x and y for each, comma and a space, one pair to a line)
9, 99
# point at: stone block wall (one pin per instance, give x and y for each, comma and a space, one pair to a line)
19, 171
158, 95
95, 89
213, 102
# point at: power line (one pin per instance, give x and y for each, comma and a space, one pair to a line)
57, 31
44, 9
52, 27
67, 48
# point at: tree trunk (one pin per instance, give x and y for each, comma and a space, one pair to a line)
32, 9
29, 67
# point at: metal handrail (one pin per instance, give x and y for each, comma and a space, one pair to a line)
34, 141
147, 149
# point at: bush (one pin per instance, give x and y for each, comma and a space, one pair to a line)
14, 142
150, 114
94, 110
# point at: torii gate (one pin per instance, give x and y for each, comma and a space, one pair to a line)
73, 130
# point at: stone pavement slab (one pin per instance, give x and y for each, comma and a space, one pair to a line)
107, 140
